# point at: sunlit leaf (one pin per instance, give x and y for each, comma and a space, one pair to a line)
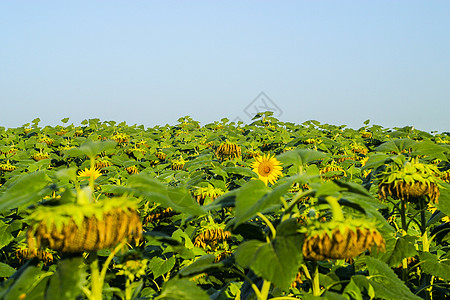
27, 190
176, 289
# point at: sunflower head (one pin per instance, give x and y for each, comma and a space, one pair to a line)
268, 168
228, 150
132, 170
94, 172
343, 239
410, 179
8, 167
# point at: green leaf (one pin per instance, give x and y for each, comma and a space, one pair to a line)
254, 197
433, 266
68, 279
176, 289
300, 157
5, 235
277, 261
69, 174
431, 150
91, 148
399, 248
328, 188
27, 283
396, 146
444, 199
375, 160
199, 162
386, 282
161, 266
247, 198
203, 264
27, 190
6, 270
352, 291
178, 198
240, 171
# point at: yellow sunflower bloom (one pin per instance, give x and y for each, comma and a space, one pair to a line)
88, 172
268, 168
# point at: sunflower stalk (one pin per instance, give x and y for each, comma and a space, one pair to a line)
264, 290
97, 276
91, 176
268, 223
335, 208
315, 279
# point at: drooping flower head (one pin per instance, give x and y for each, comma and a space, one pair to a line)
268, 168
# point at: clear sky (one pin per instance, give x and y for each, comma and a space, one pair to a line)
152, 62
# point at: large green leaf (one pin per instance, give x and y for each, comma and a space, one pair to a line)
91, 148
6, 270
161, 266
300, 157
68, 279
399, 248
176, 289
277, 261
433, 266
203, 264
28, 282
444, 199
385, 282
27, 190
240, 171
178, 198
5, 235
254, 197
353, 291
431, 150
397, 146
247, 198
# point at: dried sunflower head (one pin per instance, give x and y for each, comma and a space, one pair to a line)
178, 164
161, 155
228, 150
132, 170
7, 167
40, 156
341, 239
201, 193
332, 171
411, 179
366, 134
75, 227
120, 138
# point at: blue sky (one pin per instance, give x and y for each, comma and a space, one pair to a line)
152, 62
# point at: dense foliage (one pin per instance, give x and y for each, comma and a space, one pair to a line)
223, 211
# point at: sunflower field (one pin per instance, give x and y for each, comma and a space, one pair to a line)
269, 210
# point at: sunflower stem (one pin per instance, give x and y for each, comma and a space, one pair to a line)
315, 280
403, 216
96, 284
423, 221
335, 208
404, 231
265, 290
298, 197
91, 177
268, 223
